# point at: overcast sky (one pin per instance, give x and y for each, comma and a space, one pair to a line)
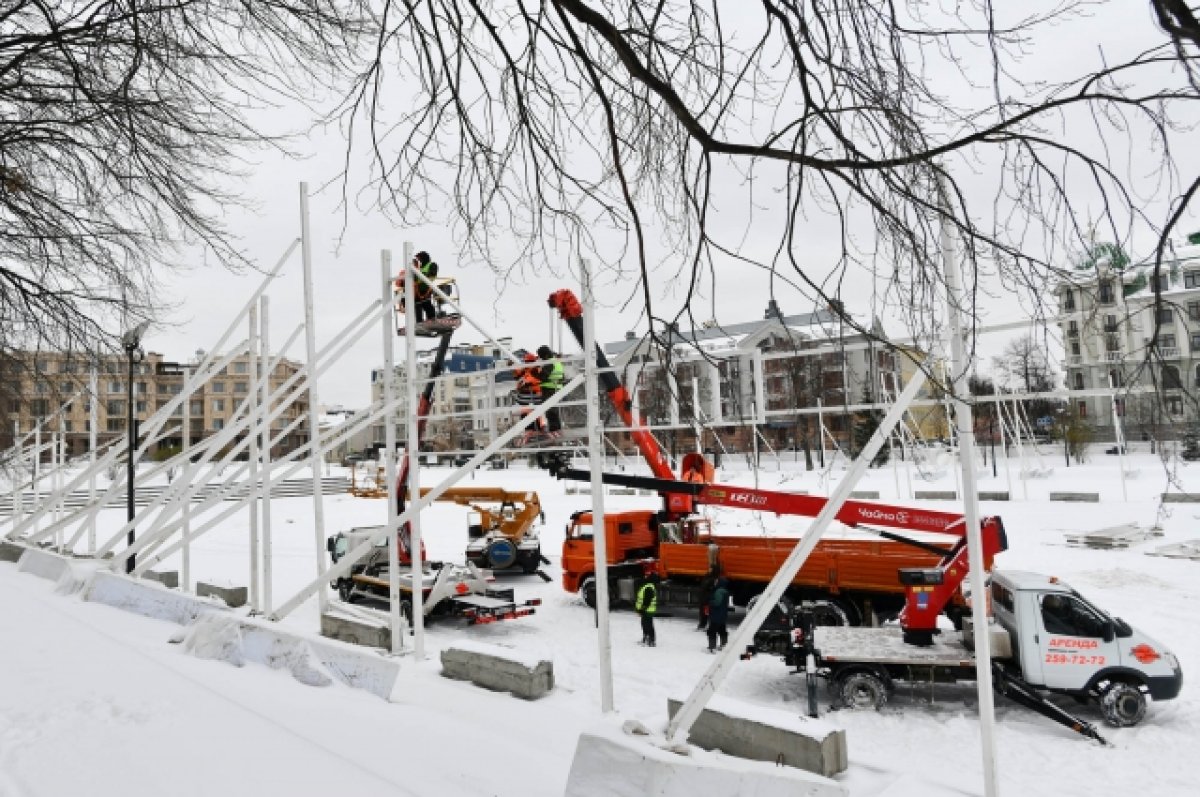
347, 247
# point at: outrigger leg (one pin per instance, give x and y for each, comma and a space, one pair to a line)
1018, 691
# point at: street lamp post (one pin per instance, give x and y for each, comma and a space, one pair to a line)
131, 341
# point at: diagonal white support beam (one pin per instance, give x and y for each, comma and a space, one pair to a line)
711, 680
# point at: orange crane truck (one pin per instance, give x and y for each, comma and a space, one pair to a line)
849, 581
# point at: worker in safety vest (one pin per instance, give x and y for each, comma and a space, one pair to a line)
425, 310
646, 605
529, 388
551, 381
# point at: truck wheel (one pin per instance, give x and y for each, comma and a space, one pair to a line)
1123, 705
533, 560
861, 689
588, 590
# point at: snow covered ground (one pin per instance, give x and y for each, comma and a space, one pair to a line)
96, 701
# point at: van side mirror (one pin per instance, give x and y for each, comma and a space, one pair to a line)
1108, 631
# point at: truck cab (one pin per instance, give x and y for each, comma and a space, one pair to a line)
1064, 643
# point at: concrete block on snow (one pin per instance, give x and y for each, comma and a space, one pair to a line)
763, 734
936, 495
10, 551
993, 496
864, 494
499, 669
356, 630
44, 564
1090, 498
168, 578
611, 763
233, 596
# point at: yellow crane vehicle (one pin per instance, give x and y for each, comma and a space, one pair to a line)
501, 527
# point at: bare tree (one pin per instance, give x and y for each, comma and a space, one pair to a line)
124, 124
553, 120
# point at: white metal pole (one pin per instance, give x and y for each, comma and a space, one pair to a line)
314, 409
18, 479
55, 463
966, 439
185, 507
93, 423
37, 469
253, 421
412, 448
1023, 473
596, 463
266, 368
389, 452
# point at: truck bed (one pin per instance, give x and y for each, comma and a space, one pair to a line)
886, 646
853, 565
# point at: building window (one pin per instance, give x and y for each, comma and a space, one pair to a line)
1194, 311
1191, 279
218, 387
196, 408
1164, 315
1170, 378
1068, 300
116, 425
68, 426
241, 387
39, 408
1110, 323
141, 388
116, 387
1166, 341
1161, 283
1082, 406
1198, 376
241, 368
140, 407
1078, 380
1174, 405
1196, 341
218, 424
1119, 407
115, 407
1073, 329
42, 389
1106, 292
218, 405
14, 406
1075, 348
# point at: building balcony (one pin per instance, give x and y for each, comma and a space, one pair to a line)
1074, 360
1168, 352
1113, 356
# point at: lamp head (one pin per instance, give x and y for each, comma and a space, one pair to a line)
133, 337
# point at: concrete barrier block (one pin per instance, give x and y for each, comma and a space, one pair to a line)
766, 735
147, 598
1181, 498
1090, 498
612, 763
499, 669
936, 495
356, 630
44, 564
993, 496
233, 596
310, 660
11, 551
864, 494
168, 578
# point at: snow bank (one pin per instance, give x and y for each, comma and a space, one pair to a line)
147, 598
311, 661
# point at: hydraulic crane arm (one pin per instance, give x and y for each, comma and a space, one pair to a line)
694, 467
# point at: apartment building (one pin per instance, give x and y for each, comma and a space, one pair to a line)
1109, 317
52, 390
726, 380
